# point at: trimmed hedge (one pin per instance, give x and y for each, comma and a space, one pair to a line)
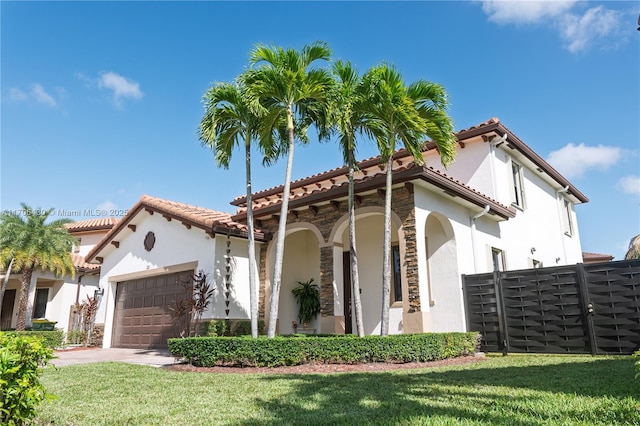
338, 349
50, 339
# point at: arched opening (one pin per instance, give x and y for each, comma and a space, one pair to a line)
301, 262
443, 278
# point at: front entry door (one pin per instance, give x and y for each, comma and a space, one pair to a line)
346, 279
7, 309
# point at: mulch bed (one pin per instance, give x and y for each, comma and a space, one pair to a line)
328, 368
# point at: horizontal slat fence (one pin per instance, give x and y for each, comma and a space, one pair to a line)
592, 308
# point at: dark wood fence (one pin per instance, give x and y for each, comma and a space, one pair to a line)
583, 308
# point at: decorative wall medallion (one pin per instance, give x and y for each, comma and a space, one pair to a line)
149, 241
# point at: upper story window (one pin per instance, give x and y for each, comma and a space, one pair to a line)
497, 256
567, 214
517, 192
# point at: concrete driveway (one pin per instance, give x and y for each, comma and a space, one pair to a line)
153, 357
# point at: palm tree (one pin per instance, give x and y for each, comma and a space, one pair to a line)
228, 121
350, 116
32, 244
409, 115
282, 85
634, 248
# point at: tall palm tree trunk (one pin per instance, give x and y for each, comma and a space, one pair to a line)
355, 280
24, 299
253, 285
282, 225
386, 258
5, 282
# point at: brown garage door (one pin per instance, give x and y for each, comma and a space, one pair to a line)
143, 316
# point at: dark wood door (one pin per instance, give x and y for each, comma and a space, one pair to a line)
7, 309
346, 279
143, 315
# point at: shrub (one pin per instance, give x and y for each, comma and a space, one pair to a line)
50, 339
218, 328
21, 360
299, 349
636, 355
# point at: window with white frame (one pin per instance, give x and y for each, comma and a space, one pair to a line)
517, 192
567, 214
497, 257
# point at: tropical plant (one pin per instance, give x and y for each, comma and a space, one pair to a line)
32, 243
187, 312
229, 121
350, 115
634, 248
307, 296
89, 309
408, 115
282, 85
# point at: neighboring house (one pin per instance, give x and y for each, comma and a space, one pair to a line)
52, 297
596, 257
500, 206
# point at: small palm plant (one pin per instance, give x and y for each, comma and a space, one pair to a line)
307, 296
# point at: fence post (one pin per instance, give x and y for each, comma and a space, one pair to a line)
587, 307
502, 317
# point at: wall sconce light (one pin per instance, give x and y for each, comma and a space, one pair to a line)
557, 259
533, 250
98, 293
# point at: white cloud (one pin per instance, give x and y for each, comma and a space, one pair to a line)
573, 161
35, 94
524, 11
598, 26
107, 205
41, 96
629, 184
122, 87
580, 30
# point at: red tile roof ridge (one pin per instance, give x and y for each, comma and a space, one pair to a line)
91, 224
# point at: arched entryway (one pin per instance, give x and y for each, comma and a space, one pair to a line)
301, 262
369, 242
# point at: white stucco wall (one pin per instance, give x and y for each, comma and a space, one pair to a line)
301, 263
175, 245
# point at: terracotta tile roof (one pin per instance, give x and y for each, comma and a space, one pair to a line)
595, 257
369, 168
82, 266
211, 221
91, 224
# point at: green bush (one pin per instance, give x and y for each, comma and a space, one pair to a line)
21, 360
218, 328
50, 339
636, 355
300, 349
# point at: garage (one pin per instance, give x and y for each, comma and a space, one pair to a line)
143, 315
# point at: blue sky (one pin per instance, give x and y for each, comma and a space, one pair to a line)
100, 102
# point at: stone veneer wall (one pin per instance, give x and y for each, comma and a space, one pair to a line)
325, 217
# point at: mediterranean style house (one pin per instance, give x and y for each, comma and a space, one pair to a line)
499, 206
52, 297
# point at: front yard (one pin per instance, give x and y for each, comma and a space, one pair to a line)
514, 390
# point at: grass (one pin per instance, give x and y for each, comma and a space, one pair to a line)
514, 390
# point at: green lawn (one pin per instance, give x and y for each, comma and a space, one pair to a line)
515, 390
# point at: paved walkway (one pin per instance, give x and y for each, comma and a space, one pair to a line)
156, 358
